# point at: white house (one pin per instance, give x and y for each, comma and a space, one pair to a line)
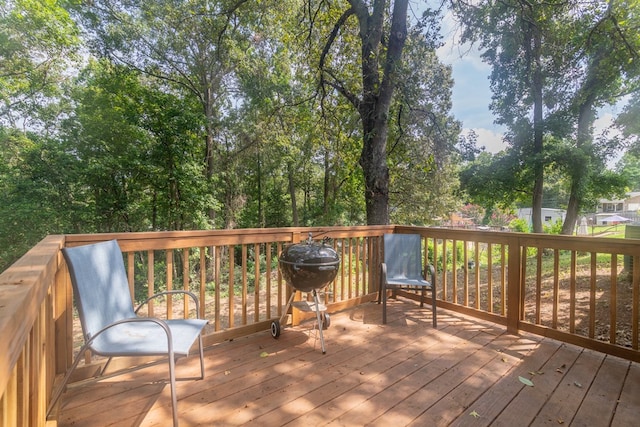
630, 204
549, 215
628, 208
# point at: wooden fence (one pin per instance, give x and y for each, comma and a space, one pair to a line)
582, 290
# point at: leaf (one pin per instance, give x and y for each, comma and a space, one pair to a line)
474, 414
264, 354
577, 384
526, 381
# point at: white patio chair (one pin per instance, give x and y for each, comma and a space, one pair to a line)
110, 324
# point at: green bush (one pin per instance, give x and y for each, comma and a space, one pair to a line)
519, 225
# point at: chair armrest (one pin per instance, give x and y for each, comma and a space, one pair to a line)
174, 291
383, 273
431, 270
432, 279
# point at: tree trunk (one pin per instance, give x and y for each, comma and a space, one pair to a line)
376, 99
584, 136
376, 176
538, 133
580, 171
209, 145
292, 195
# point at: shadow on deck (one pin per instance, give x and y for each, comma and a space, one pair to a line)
467, 372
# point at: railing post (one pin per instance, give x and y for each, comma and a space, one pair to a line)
63, 319
514, 285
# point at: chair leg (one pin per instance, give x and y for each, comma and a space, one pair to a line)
56, 395
383, 291
201, 358
106, 365
433, 306
174, 397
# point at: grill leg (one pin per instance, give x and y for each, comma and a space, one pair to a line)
285, 313
316, 300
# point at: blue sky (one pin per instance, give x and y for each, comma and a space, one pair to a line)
472, 96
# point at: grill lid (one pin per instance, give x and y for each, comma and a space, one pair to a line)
309, 266
309, 253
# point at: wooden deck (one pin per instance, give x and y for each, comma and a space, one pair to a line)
404, 373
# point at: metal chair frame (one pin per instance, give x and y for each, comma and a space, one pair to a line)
402, 269
97, 272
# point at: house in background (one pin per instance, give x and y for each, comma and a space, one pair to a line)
627, 208
549, 215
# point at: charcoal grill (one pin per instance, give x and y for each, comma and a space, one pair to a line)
307, 267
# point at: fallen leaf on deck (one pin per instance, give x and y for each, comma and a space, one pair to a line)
264, 354
526, 381
577, 384
474, 414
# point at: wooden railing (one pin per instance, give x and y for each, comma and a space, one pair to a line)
582, 290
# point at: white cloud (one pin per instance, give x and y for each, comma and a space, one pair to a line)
471, 94
490, 139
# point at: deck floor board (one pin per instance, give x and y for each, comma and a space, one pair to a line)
464, 373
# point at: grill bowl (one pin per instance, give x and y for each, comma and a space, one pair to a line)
308, 266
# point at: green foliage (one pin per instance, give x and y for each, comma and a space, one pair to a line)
422, 138
137, 152
38, 41
35, 190
448, 262
553, 66
629, 167
553, 228
520, 225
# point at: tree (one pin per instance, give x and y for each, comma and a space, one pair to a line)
190, 46
382, 33
629, 167
137, 153
603, 60
36, 192
554, 64
511, 34
38, 41
422, 138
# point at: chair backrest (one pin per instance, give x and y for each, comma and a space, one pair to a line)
403, 255
100, 285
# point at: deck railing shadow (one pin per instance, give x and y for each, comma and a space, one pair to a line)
553, 286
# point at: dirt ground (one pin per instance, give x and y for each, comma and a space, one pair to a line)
604, 309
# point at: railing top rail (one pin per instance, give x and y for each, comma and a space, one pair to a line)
628, 246
181, 239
